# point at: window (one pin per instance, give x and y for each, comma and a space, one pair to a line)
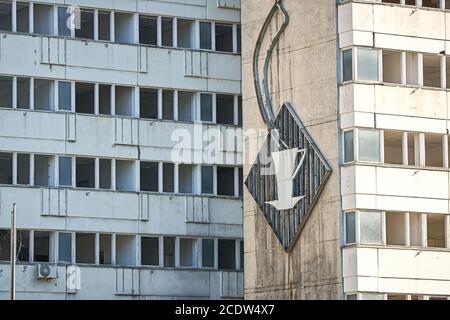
392, 66
447, 4
168, 177
5, 245
186, 106
23, 93
104, 25
187, 253
415, 229
225, 181
42, 246
5, 16
224, 37
124, 27
43, 19
413, 149
434, 151
23, 245
43, 95
206, 106
65, 95
436, 230
124, 101
104, 97
185, 33
105, 173
167, 107
393, 147
369, 145
148, 30
241, 252
391, 1
225, 109
396, 297
23, 168
447, 72
207, 180
85, 248
395, 228
186, 178
347, 65
410, 2
6, 168
149, 251
370, 227
367, 64
149, 176
148, 103
205, 35
348, 147
227, 254
241, 181
105, 249
23, 20
85, 172
63, 20
169, 252
84, 97
125, 250
43, 170
65, 171
431, 3
370, 296
125, 175
350, 227
239, 39
431, 71
5, 92
167, 32
64, 247
412, 69
208, 253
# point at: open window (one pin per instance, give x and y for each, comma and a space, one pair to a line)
369, 145
415, 229
205, 35
6, 172
125, 175
208, 253
23, 168
167, 104
6, 15
186, 178
224, 37
347, 65
85, 172
44, 95
63, 19
188, 252
207, 180
65, 247
5, 92
227, 254
125, 250
431, 3
186, 33
43, 19
225, 109
43, 170
370, 227
149, 251
206, 107
85, 248
169, 252
168, 177
64, 96
124, 27
105, 173
65, 171
148, 104
186, 102
434, 155
392, 66
393, 147
104, 99
124, 101
167, 32
23, 93
367, 64
436, 230
105, 249
395, 228
149, 176
42, 246
23, 17
148, 30
431, 71
225, 181
104, 25
86, 30
84, 97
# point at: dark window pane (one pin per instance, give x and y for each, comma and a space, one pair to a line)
225, 109
224, 37
207, 180
168, 180
205, 35
206, 107
149, 251
208, 253
227, 254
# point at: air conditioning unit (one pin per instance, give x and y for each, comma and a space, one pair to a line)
46, 271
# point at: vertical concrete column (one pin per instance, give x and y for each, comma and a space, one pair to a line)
113, 100
113, 249
419, 3
160, 177
175, 32
31, 17
137, 172
382, 146
137, 102
214, 108
31, 89
175, 105
356, 143
405, 148
197, 104
159, 31
160, 104
55, 20
74, 171
57, 246
31, 244
14, 91
447, 231
161, 251
14, 168
199, 245
177, 252
74, 247
97, 248
236, 110
97, 173
32, 169
198, 179
138, 250
14, 16
216, 253
420, 68
421, 149
56, 94
176, 178
96, 24
383, 228
56, 170
443, 72
113, 174
215, 180
407, 230
445, 150
96, 99
442, 3
136, 27
197, 34
112, 32
213, 36
73, 96
423, 219
237, 247
403, 68
235, 39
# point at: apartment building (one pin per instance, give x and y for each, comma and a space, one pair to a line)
120, 124
370, 80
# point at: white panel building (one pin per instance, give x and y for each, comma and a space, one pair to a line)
117, 143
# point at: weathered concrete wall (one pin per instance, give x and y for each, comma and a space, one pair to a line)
303, 72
